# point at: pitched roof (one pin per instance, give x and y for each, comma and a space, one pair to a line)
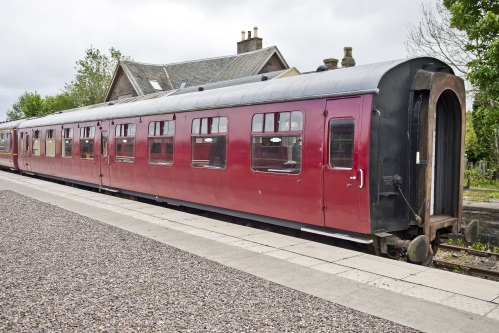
349, 81
196, 72
208, 86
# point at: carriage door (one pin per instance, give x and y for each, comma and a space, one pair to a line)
26, 151
343, 179
104, 159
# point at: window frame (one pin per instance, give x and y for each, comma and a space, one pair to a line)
205, 131
164, 131
36, 139
67, 133
122, 132
276, 130
88, 137
329, 147
52, 143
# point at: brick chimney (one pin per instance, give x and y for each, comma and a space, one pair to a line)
250, 44
348, 60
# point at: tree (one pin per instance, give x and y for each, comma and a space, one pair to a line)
464, 33
28, 105
33, 105
59, 102
480, 21
93, 76
434, 37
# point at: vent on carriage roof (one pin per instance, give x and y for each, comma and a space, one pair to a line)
155, 85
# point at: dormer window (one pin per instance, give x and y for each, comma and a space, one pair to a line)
155, 85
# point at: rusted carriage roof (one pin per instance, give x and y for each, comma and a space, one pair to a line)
333, 83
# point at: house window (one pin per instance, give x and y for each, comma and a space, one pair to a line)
341, 143
276, 142
67, 142
155, 85
209, 142
87, 135
36, 143
125, 143
160, 142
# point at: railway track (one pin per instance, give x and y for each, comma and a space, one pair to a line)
468, 261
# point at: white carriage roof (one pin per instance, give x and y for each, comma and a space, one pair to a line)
10, 124
332, 83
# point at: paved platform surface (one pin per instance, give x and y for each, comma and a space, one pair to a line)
423, 298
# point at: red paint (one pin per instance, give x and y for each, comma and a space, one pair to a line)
8, 156
299, 197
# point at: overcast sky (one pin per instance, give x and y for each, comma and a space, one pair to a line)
41, 40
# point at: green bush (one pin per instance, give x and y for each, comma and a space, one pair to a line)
482, 180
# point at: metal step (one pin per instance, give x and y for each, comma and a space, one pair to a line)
352, 238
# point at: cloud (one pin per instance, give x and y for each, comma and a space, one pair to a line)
44, 39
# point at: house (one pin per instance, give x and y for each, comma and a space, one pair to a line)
135, 79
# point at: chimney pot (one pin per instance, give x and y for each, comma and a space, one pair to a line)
250, 44
255, 29
348, 60
331, 63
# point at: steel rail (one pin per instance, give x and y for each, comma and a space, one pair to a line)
469, 270
474, 252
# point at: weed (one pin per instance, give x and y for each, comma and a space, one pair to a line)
481, 247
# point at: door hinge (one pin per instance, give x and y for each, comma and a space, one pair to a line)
324, 207
325, 113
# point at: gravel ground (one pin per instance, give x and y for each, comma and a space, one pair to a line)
61, 272
463, 258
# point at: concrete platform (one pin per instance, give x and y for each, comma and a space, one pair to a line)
423, 298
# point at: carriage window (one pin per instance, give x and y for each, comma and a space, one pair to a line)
50, 142
104, 143
5, 142
279, 148
341, 143
36, 143
209, 142
87, 142
257, 124
160, 142
9, 142
21, 143
125, 143
67, 142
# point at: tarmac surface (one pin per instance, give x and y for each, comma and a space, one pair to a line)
79, 260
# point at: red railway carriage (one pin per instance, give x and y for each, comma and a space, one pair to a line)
8, 144
371, 153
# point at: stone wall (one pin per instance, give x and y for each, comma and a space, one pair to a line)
489, 222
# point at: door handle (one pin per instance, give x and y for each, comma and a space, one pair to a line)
361, 185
